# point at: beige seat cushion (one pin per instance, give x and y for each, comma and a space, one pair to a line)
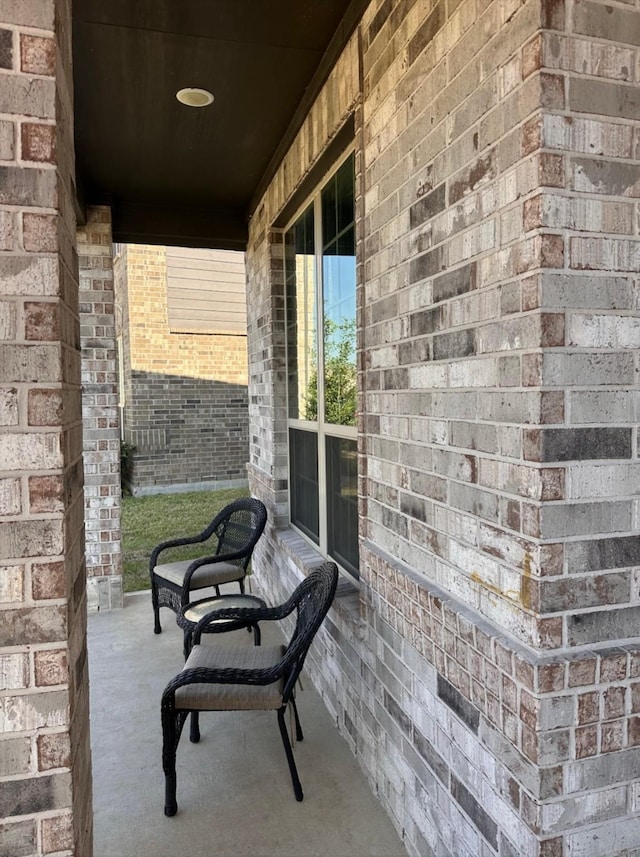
232, 697
206, 575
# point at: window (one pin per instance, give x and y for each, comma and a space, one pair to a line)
320, 281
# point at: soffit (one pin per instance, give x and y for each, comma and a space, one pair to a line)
179, 175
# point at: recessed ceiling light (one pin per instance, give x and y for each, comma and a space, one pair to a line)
194, 97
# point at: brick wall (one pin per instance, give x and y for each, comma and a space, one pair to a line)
185, 395
100, 416
488, 678
45, 774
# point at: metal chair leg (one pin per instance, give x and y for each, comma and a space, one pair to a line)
186, 644
299, 735
169, 747
194, 727
157, 628
297, 788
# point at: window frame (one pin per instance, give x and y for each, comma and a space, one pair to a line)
320, 427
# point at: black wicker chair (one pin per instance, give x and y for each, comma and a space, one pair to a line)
234, 532
245, 678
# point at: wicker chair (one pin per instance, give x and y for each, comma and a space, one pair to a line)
234, 532
245, 678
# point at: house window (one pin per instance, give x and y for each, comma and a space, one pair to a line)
320, 279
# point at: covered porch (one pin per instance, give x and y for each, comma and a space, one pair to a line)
484, 669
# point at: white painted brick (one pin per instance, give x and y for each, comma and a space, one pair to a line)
11, 583
587, 136
456, 524
33, 711
605, 254
480, 372
14, 671
475, 564
7, 221
30, 451
603, 331
478, 306
8, 407
10, 497
427, 376
473, 242
586, 57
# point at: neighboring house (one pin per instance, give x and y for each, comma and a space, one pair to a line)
182, 350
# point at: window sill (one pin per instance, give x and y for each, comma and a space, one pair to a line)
347, 601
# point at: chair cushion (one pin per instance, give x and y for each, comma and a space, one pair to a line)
232, 697
206, 575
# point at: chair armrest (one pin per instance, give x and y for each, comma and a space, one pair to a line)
174, 543
238, 617
206, 560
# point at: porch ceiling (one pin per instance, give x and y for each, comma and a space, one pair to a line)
179, 175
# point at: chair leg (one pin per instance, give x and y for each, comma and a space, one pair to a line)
299, 735
257, 637
157, 628
186, 644
169, 747
194, 727
297, 788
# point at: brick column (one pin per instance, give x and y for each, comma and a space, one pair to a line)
45, 774
100, 416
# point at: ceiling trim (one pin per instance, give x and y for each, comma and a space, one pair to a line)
179, 226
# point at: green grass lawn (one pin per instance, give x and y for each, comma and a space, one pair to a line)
147, 521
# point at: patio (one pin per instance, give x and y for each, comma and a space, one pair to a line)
234, 789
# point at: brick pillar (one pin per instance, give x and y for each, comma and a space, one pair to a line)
100, 412
45, 773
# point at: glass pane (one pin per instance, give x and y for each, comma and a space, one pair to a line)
300, 286
339, 300
303, 480
344, 195
342, 502
337, 202
329, 217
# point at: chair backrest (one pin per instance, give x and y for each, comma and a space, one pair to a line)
311, 600
238, 527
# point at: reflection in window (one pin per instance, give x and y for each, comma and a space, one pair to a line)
301, 306
342, 506
339, 298
320, 278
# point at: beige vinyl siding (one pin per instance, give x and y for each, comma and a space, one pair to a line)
206, 291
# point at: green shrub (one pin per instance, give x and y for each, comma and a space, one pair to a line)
127, 451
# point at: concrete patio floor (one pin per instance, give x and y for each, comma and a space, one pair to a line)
234, 790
